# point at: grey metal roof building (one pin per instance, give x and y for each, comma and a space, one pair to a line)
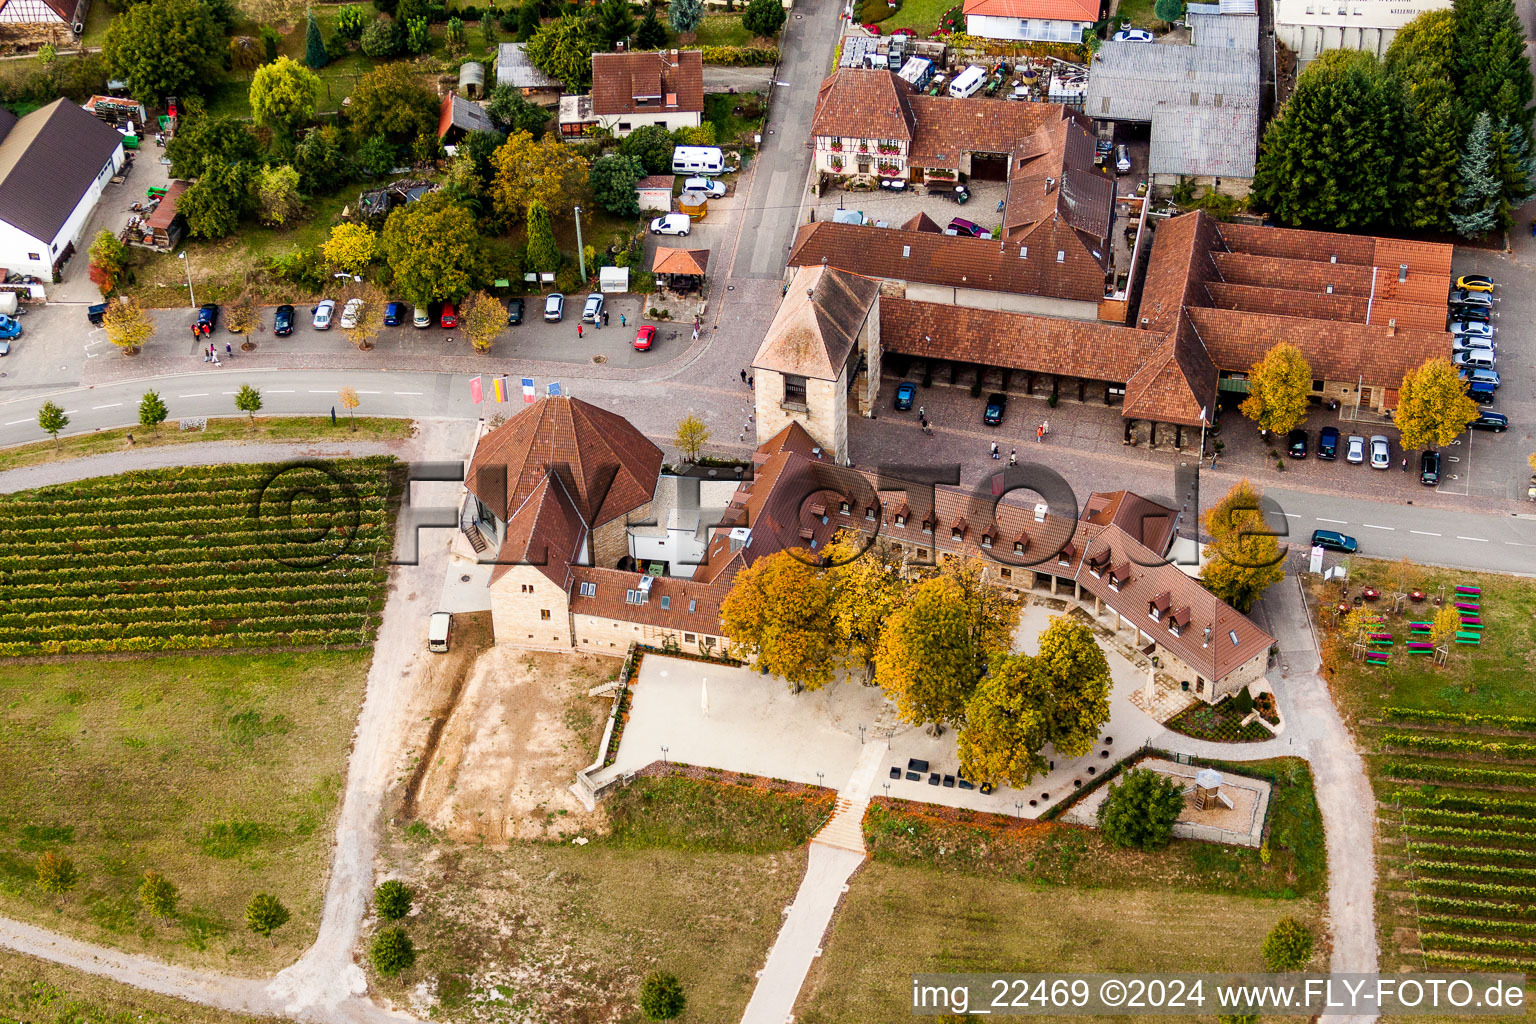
1219, 142
514, 68
1231, 31
1127, 81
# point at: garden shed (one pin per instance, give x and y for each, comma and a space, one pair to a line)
472, 80
655, 192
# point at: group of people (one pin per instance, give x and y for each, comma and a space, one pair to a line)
211, 353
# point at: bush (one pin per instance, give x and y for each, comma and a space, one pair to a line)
383, 38
740, 56
56, 873
1139, 812
391, 952
393, 900
1288, 946
872, 12
1242, 701
470, 13
661, 996
568, 279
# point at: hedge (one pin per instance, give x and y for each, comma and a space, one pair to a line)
1491, 963
1443, 940
1478, 924
1459, 717
1456, 773
1499, 854
1453, 904
1458, 744
1478, 803
740, 56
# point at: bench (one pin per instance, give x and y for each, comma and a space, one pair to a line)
1474, 591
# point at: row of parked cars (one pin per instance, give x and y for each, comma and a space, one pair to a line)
1473, 349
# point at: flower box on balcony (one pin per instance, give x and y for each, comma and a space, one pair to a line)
888, 150
837, 147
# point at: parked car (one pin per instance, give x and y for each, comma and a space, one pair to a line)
706, 186
1463, 343
592, 309
450, 317
394, 313
208, 315
10, 328
1481, 377
1494, 421
645, 337
997, 404
1467, 298
1133, 35
906, 394
1478, 314
1429, 469
421, 317
515, 311
96, 314
1475, 283
1355, 450
554, 308
1122, 159
1328, 443
323, 313
282, 320
1472, 328
350, 313
671, 224
1333, 540
969, 229
1381, 452
1477, 359
1296, 444
1482, 391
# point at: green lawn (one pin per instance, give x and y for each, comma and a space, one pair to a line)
233, 428
720, 111
722, 30
922, 16
39, 992
222, 773
682, 814
899, 920
198, 557
1137, 12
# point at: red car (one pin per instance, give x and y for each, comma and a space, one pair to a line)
450, 315
645, 337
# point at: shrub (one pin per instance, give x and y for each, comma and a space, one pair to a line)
1288, 946
470, 13
391, 952
265, 914
393, 900
383, 38
1242, 702
1139, 812
56, 873
158, 895
661, 996
740, 56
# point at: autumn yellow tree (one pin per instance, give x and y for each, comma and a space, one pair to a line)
1244, 557
1446, 624
128, 326
351, 247
691, 437
867, 586
483, 317
780, 609
1278, 388
349, 399
243, 318
528, 170
370, 319
1433, 406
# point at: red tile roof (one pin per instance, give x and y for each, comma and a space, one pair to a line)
863, 104
1045, 10
670, 81
680, 261
672, 603
546, 532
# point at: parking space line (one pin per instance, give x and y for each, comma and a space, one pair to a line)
1373, 526
1480, 540
1424, 533
1341, 522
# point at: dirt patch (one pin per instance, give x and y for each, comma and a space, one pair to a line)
442, 682
500, 764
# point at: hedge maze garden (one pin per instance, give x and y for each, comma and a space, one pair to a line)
198, 557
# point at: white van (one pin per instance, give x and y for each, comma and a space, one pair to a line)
698, 160
438, 628
969, 82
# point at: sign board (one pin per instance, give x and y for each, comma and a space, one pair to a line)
547, 278
613, 280
1317, 560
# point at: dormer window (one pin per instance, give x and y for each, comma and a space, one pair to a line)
1114, 582
957, 529
1158, 606
901, 520
988, 537
1154, 613
1178, 621
928, 524
844, 507
870, 511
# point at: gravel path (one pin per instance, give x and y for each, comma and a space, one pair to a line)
325, 985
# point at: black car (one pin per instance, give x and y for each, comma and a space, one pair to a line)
1296, 443
97, 314
1495, 421
1429, 469
282, 320
394, 314
1328, 443
515, 311
208, 313
1476, 314
997, 404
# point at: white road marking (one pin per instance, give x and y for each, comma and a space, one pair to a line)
14, 422
227, 392
70, 412
279, 392
1480, 540
314, 392
1292, 515
195, 394
370, 392
407, 392
1424, 533
1516, 544
1373, 526
114, 405
1341, 522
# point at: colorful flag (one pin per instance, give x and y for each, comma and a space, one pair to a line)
528, 395
499, 389
475, 393
553, 389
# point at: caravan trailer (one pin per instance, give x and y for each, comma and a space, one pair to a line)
969, 82
698, 160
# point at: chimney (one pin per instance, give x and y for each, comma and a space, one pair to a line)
1207, 641
1392, 328
1402, 272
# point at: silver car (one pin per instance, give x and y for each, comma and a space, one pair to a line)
1354, 451
1381, 452
592, 311
323, 313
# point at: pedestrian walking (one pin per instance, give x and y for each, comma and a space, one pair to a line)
333, 415
1039, 433
216, 360
1213, 462
578, 330
207, 356
1013, 457
1405, 463
743, 375
605, 319
228, 352
995, 453
1045, 428
207, 330
196, 331
623, 321
749, 385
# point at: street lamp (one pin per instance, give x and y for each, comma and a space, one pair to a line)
664, 753
820, 777
1018, 805
190, 297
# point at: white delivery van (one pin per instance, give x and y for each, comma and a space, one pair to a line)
969, 82
698, 160
438, 628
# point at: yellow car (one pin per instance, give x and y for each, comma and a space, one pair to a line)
1475, 283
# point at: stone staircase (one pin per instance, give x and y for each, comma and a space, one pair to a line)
845, 829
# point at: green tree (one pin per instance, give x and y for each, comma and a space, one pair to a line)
320, 162
488, 37
152, 411
615, 23
1288, 946
529, 170
780, 608
1334, 156
277, 195
158, 895
1476, 209
350, 22
651, 144
203, 140
393, 899
433, 249
1244, 556
56, 873
248, 401
527, 20
763, 18
1433, 407
265, 914
685, 15
613, 179
691, 437
661, 996
1073, 679
511, 111
563, 50
314, 46
391, 952
1278, 389
1140, 811
109, 258
454, 39
245, 53
1488, 63
391, 102
1433, 167
1515, 165
935, 647
543, 253
165, 48
383, 38
1168, 11
651, 33
215, 202
51, 420
417, 35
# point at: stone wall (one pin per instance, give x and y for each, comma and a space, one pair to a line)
609, 636
528, 609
